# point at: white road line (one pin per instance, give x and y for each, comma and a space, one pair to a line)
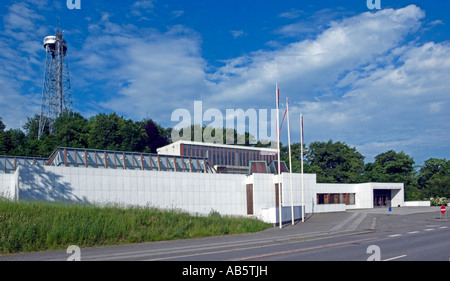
295, 251
394, 258
395, 235
428, 229
442, 227
413, 232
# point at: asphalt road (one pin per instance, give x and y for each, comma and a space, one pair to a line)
407, 233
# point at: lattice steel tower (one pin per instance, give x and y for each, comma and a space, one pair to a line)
56, 92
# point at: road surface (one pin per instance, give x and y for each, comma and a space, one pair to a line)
407, 233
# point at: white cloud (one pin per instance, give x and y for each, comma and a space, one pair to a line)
20, 63
177, 14
291, 14
237, 33
139, 8
315, 65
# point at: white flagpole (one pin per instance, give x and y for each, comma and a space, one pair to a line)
290, 161
301, 156
277, 93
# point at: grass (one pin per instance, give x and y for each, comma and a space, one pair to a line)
35, 226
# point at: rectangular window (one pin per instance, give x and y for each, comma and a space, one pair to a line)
336, 198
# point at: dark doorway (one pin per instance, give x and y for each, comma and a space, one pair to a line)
381, 197
249, 199
277, 195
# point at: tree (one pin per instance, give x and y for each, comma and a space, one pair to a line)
335, 162
2, 126
112, 132
13, 142
103, 132
394, 167
72, 130
220, 135
295, 157
2, 138
31, 127
155, 136
391, 167
434, 178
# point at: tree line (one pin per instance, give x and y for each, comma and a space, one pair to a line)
337, 162
333, 162
102, 131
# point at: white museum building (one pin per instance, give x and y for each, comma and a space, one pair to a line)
189, 176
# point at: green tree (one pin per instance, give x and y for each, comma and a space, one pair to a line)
2, 125
155, 137
295, 157
434, 178
391, 167
2, 138
31, 127
103, 132
115, 133
72, 130
217, 135
335, 162
13, 142
396, 167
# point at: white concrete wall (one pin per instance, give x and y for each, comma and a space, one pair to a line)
309, 190
417, 204
363, 196
271, 215
9, 184
170, 149
263, 192
327, 208
192, 192
5, 182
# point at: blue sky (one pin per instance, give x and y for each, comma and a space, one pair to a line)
374, 79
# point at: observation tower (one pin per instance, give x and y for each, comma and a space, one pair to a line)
56, 92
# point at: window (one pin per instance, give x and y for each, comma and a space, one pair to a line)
336, 198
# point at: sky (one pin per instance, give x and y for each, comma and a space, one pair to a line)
375, 79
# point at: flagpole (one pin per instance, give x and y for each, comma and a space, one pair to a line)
277, 93
301, 156
290, 161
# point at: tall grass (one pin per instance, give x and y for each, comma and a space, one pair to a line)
33, 226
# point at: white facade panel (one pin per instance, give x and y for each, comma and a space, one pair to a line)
192, 192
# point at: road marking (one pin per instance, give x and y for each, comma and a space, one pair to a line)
352, 217
428, 229
395, 235
442, 227
302, 250
412, 232
394, 258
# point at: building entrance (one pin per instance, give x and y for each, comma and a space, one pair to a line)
381, 197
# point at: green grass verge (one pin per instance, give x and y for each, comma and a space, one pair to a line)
34, 226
